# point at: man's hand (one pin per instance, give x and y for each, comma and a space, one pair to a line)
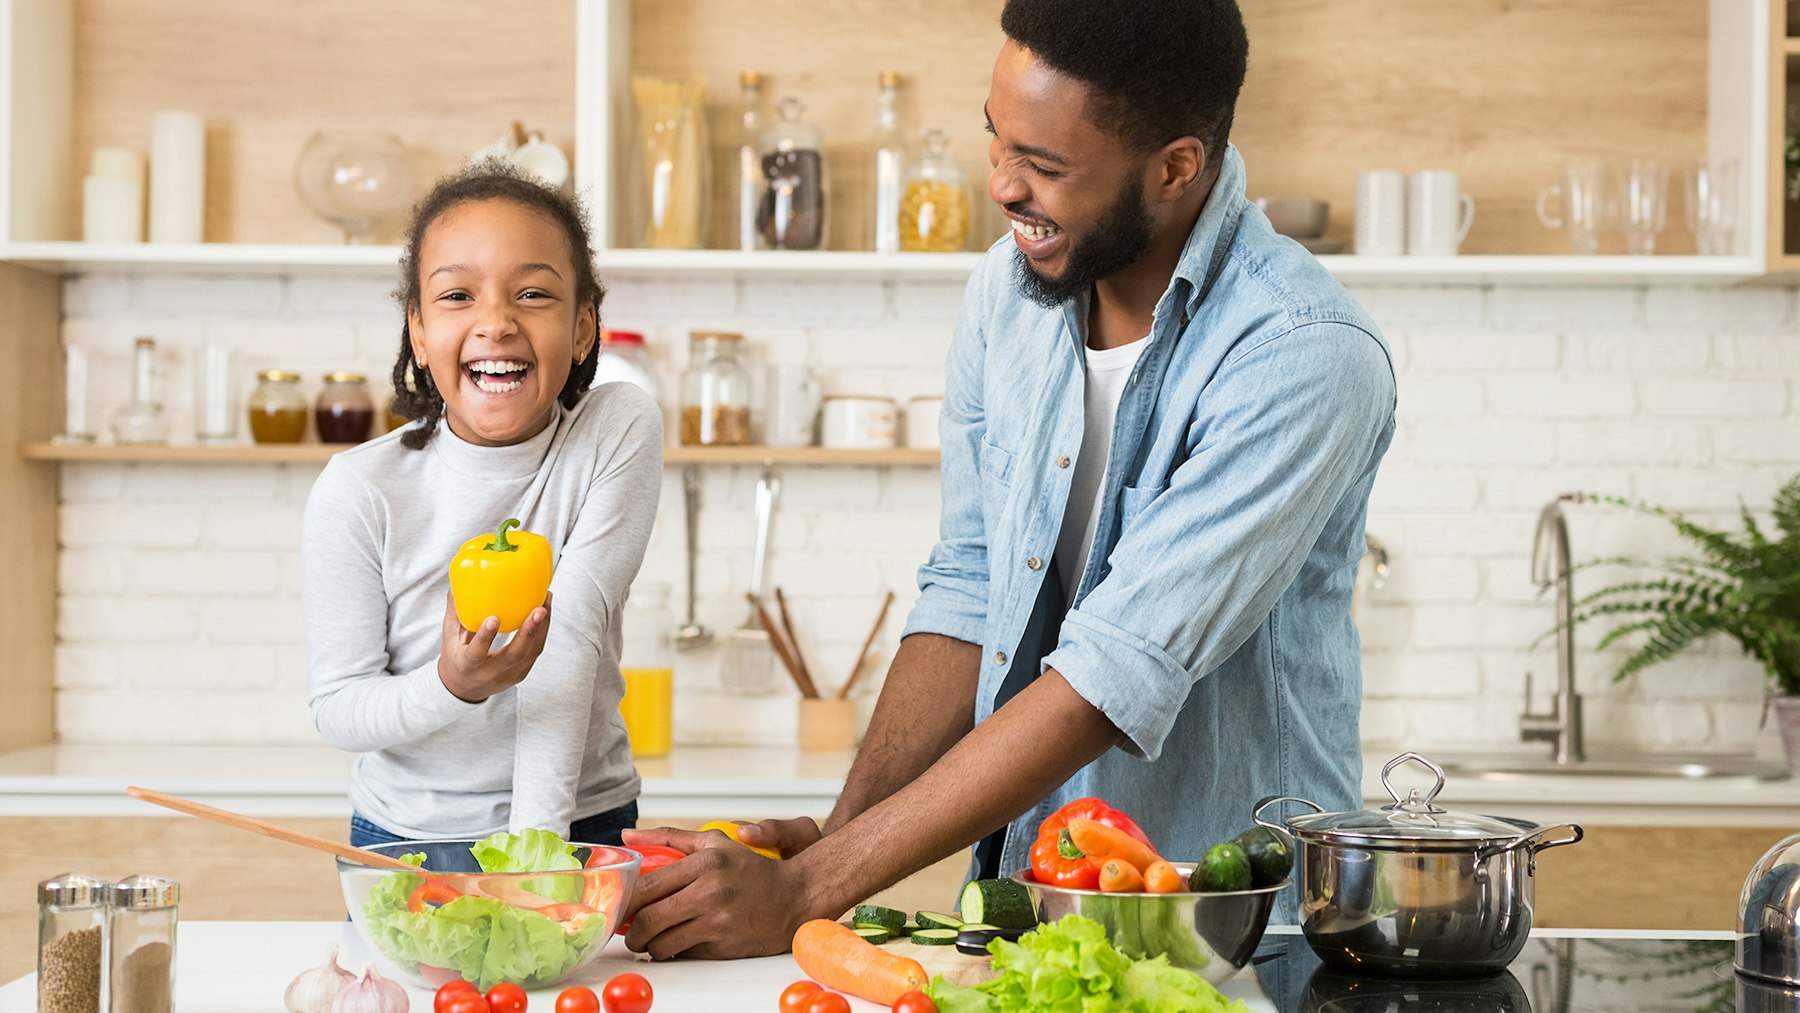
790, 837
721, 902
470, 667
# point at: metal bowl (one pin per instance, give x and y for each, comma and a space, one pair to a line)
1211, 934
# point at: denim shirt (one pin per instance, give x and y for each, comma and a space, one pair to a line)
1212, 621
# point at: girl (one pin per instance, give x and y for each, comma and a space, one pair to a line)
460, 738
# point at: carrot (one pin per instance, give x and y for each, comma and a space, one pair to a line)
1101, 842
838, 958
1119, 876
1162, 877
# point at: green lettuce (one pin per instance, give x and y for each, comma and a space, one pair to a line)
481, 938
1069, 966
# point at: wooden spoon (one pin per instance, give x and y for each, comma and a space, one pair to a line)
256, 826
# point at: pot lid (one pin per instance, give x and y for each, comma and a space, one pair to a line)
1412, 820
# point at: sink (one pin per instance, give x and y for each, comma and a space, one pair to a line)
1712, 769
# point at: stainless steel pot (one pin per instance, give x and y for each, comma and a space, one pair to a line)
1412, 888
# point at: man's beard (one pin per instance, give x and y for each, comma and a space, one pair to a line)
1116, 243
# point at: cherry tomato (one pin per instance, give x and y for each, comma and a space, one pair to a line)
578, 999
915, 1002
828, 1002
507, 997
627, 993
467, 1002
440, 1002
795, 997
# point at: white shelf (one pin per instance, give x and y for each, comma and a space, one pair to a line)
204, 258
788, 264
1551, 270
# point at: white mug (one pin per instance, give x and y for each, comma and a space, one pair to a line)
1380, 213
790, 405
922, 422
1438, 215
858, 422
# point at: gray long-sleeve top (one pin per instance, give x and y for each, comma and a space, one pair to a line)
381, 526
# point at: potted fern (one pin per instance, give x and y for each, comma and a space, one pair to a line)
1744, 585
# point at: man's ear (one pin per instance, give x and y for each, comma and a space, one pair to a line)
1181, 163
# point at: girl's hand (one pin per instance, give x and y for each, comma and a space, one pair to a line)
466, 666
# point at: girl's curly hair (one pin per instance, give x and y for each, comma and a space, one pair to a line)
415, 395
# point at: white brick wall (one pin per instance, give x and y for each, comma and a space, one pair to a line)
179, 598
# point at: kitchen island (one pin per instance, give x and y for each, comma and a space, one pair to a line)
243, 967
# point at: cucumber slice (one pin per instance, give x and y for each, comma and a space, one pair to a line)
875, 914
978, 927
937, 920
934, 937
1000, 902
873, 933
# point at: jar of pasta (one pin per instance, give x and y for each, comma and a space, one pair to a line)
934, 208
715, 391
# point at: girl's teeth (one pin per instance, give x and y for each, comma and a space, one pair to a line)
1035, 233
494, 387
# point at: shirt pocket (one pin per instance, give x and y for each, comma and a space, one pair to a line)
1133, 500
996, 462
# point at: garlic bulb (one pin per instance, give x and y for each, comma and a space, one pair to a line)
371, 993
313, 990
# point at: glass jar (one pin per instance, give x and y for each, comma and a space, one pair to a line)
344, 410
715, 391
140, 976
889, 153
647, 662
747, 181
934, 211
791, 214
71, 934
277, 408
673, 147
141, 420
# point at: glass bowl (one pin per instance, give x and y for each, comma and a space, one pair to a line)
1210, 934
453, 921
355, 180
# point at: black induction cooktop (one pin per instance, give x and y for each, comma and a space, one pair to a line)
1558, 972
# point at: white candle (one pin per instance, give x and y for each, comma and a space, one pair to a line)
177, 177
112, 210
119, 163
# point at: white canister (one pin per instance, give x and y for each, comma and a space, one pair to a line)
922, 422
859, 422
177, 178
790, 405
1380, 213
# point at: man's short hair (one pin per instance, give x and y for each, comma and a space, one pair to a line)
1160, 69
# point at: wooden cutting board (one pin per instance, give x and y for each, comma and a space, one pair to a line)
956, 967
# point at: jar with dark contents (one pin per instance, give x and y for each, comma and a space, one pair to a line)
71, 932
791, 213
344, 411
277, 408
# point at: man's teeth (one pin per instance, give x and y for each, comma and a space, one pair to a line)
1035, 233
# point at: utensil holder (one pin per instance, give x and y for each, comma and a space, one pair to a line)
827, 725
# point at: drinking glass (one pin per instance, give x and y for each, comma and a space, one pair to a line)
1579, 202
1712, 205
1643, 205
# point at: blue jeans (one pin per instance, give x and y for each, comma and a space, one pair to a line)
601, 829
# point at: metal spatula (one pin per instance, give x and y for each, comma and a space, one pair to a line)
748, 665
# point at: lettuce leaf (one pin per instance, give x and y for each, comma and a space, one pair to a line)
1069, 966
532, 850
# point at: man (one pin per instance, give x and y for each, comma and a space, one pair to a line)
1161, 426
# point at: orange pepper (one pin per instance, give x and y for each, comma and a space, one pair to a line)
501, 576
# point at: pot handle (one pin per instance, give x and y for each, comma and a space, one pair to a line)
1533, 841
1256, 814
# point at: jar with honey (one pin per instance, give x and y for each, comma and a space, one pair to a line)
344, 411
934, 209
277, 407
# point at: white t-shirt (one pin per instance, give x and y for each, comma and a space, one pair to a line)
1107, 371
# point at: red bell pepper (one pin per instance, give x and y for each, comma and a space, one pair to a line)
435, 892
1056, 860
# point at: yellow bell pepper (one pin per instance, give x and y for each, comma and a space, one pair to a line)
731, 830
500, 575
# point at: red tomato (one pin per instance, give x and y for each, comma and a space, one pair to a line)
578, 999
440, 1002
656, 856
915, 1002
467, 1002
795, 997
828, 1002
507, 997
627, 993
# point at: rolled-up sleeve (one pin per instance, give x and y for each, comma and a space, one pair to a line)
953, 583
1280, 436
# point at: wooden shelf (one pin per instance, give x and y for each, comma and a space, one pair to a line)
318, 453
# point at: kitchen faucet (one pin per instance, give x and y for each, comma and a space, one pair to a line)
1550, 566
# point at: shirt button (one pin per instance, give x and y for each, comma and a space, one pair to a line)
1063, 461
999, 657
1034, 563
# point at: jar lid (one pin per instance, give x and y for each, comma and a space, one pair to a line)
612, 337
345, 376
279, 376
143, 892
714, 336
751, 79
74, 889
1410, 821
890, 79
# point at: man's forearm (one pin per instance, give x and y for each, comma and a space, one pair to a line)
927, 704
1018, 756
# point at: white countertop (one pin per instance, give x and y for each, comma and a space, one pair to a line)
298, 781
